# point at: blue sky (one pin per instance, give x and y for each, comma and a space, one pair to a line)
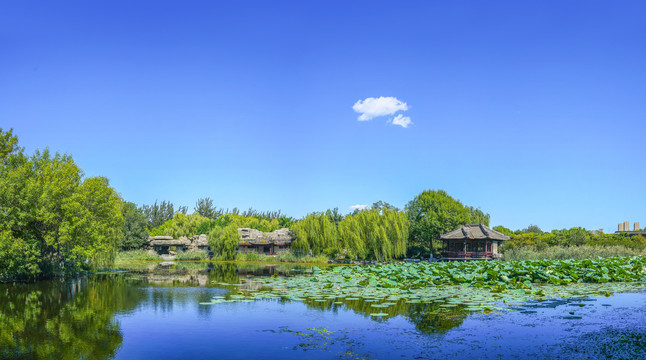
533, 111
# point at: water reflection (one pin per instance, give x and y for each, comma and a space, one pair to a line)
106, 315
427, 318
71, 319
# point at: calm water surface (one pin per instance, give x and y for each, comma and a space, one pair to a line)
154, 311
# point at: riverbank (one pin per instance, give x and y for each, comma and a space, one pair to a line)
286, 257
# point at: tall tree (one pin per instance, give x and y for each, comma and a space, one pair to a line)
135, 227
52, 216
157, 214
432, 213
375, 234
8, 144
205, 207
532, 229
316, 234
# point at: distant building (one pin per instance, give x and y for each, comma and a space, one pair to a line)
472, 242
624, 227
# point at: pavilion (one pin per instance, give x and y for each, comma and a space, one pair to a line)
472, 242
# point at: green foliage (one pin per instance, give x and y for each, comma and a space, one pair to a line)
531, 229
334, 215
133, 255
287, 256
315, 235
60, 221
513, 274
8, 144
252, 222
18, 259
223, 241
503, 230
481, 283
180, 225
192, 255
573, 237
205, 207
158, 214
477, 216
432, 213
375, 234
135, 227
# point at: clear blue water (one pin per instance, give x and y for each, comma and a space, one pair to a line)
155, 313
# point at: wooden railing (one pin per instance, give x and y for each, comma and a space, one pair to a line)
468, 254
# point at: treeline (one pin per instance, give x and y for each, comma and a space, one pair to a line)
161, 218
381, 232
534, 237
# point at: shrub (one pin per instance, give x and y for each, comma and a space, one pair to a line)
192, 255
137, 255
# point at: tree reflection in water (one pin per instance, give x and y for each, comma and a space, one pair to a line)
75, 319
65, 319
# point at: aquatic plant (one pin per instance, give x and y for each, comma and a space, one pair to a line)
385, 289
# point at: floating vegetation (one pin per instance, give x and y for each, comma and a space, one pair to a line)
449, 287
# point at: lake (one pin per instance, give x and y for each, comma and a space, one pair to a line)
200, 310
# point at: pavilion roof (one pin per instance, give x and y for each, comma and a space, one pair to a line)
474, 232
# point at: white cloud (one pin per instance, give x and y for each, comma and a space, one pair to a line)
359, 207
381, 106
402, 121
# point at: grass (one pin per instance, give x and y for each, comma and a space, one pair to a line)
192, 255
568, 252
282, 257
136, 255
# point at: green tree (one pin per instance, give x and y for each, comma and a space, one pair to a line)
315, 234
532, 229
135, 227
334, 215
432, 213
223, 241
8, 144
55, 218
503, 230
205, 207
157, 214
180, 225
375, 234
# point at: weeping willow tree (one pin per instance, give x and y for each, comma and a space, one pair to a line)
223, 241
375, 234
316, 234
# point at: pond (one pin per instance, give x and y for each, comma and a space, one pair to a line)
224, 310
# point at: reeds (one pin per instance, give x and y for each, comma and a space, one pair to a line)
568, 252
192, 255
136, 255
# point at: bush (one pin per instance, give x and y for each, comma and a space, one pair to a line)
192, 255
